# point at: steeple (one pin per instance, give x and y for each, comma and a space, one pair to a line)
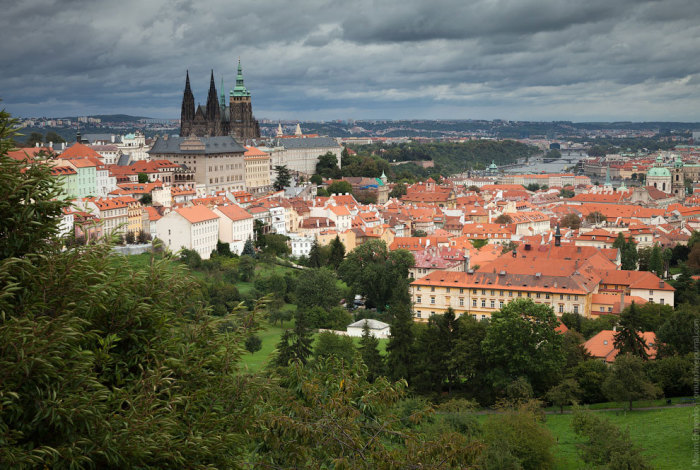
279, 130
240, 89
297, 131
187, 113
212, 112
608, 183
557, 237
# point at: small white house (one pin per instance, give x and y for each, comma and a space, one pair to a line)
377, 328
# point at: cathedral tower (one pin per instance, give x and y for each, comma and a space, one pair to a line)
187, 113
242, 124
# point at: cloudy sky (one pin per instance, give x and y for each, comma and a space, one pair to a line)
574, 60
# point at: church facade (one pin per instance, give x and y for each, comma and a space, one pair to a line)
219, 118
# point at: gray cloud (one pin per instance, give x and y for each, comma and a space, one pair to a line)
517, 59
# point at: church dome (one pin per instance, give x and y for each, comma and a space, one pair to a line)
660, 172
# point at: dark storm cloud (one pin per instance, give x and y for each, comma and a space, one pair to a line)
519, 59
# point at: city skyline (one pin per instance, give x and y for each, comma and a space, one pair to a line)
526, 60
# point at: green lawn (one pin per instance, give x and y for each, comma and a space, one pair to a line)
665, 435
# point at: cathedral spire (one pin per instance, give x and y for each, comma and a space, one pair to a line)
212, 111
240, 89
187, 112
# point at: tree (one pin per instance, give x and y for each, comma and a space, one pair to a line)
316, 179
253, 344
130, 238
676, 335
566, 193
509, 247
504, 219
339, 187
571, 221
628, 339
246, 268
276, 244
596, 217
373, 271
400, 347
630, 256
606, 445
685, 285
521, 341
369, 351
331, 344
590, 376
295, 344
143, 178
327, 165
317, 288
33, 139
474, 188
52, 136
283, 179
146, 199
337, 253
315, 256
398, 190
223, 249
565, 393
656, 263
248, 249
628, 381
469, 361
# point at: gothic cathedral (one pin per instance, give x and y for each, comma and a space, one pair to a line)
218, 119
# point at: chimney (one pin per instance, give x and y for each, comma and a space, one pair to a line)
317, 223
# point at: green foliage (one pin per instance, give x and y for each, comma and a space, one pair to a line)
369, 351
676, 335
596, 217
571, 221
566, 193
479, 244
331, 344
337, 253
586, 326
276, 244
504, 219
590, 376
573, 349
606, 445
339, 187
516, 439
52, 136
283, 179
253, 344
223, 249
317, 288
628, 339
248, 248
656, 264
33, 139
565, 393
146, 199
327, 166
687, 289
246, 268
673, 374
628, 382
373, 271
398, 190
143, 178
295, 344
191, 258
400, 347
435, 343
316, 179
521, 341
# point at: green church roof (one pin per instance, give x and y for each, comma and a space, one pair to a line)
240, 89
659, 171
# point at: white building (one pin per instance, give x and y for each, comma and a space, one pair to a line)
300, 154
301, 244
135, 146
194, 228
235, 226
377, 328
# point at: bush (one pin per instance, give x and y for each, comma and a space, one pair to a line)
253, 344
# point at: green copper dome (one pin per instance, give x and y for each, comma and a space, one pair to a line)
240, 89
659, 171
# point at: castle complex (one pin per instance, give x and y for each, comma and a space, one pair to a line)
217, 118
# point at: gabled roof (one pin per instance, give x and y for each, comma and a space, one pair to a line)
602, 345
195, 214
234, 212
78, 150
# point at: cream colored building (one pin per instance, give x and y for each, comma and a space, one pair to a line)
235, 226
257, 171
194, 228
217, 162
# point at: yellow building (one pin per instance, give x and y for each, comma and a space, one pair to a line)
347, 237
257, 171
480, 293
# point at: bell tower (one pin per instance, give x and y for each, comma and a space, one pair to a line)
243, 125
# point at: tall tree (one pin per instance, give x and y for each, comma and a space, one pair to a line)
327, 165
248, 249
630, 256
521, 341
656, 262
337, 253
283, 179
315, 256
317, 287
295, 344
628, 381
340, 187
628, 339
373, 271
369, 350
400, 347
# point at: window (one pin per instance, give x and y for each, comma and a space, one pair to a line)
651, 300
418, 289
418, 314
432, 299
568, 297
493, 304
546, 296
651, 292
483, 303
576, 308
418, 299
500, 304
576, 297
493, 292
500, 293
661, 301
473, 302
447, 289
461, 290
461, 301
537, 295
483, 291
520, 294
528, 295
561, 296
432, 288
510, 293
561, 308
474, 291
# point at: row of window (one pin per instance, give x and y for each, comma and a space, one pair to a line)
501, 293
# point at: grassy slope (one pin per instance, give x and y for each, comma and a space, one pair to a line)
665, 435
